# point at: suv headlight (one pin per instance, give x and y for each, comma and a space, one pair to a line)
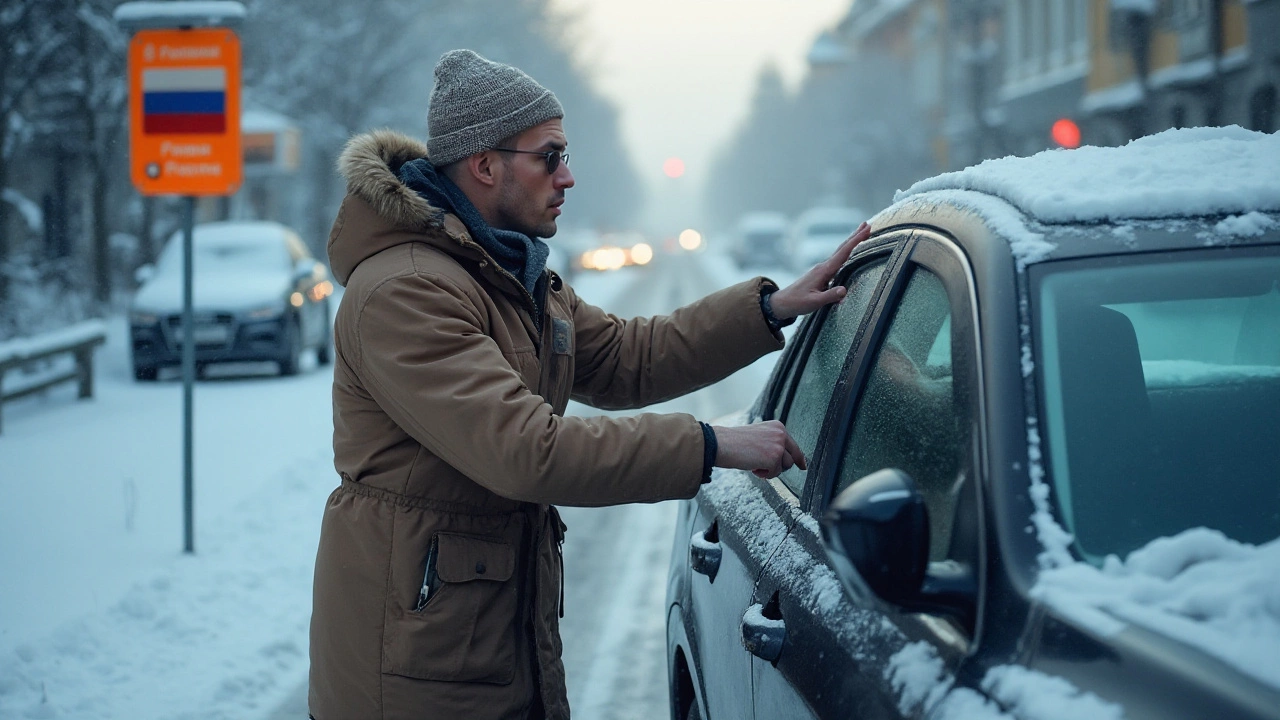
266, 312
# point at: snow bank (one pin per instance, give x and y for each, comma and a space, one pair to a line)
1187, 172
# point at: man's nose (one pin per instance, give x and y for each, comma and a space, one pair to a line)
562, 177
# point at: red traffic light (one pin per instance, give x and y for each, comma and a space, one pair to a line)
1066, 133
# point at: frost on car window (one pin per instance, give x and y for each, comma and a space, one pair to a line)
906, 417
823, 365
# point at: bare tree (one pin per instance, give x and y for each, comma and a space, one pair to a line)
32, 43
99, 97
340, 68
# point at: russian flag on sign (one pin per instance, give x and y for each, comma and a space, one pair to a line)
184, 101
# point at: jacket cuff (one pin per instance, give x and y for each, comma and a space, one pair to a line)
710, 448
766, 309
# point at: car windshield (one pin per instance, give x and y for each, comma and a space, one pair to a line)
1160, 387
227, 252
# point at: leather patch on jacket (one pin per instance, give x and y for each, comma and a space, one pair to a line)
561, 334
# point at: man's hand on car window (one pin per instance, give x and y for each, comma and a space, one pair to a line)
764, 448
812, 290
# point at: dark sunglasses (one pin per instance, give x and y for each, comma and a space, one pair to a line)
553, 157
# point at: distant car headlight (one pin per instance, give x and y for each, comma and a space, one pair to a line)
142, 317
266, 312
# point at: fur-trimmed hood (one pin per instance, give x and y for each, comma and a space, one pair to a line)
380, 211
369, 164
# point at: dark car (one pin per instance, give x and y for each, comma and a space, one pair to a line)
258, 295
1043, 432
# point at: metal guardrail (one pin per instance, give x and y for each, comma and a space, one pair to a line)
78, 340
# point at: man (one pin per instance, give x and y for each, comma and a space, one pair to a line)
438, 576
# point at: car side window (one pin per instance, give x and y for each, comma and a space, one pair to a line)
907, 417
821, 367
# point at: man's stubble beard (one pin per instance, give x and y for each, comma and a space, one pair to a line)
512, 199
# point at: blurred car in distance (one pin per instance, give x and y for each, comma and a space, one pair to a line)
761, 240
1043, 477
616, 250
573, 242
818, 231
258, 295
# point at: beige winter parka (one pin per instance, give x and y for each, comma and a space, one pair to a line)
452, 447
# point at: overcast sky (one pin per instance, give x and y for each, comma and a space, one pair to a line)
681, 71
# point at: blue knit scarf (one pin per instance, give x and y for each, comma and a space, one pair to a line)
517, 253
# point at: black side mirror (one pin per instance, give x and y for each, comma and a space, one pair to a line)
876, 534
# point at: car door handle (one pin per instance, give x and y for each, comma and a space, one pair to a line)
763, 636
704, 552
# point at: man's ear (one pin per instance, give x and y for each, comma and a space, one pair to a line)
483, 169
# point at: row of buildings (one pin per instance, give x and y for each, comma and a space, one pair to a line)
987, 78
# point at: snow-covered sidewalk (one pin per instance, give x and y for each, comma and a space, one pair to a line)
101, 615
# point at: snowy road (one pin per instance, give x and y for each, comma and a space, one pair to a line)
101, 616
616, 558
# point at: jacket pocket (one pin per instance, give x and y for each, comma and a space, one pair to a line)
461, 625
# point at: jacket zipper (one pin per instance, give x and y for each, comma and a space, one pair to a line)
430, 580
559, 528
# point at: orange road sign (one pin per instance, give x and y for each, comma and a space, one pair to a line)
184, 112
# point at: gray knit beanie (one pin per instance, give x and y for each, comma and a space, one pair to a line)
476, 103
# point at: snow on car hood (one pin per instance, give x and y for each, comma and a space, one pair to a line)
213, 291
1198, 587
1186, 172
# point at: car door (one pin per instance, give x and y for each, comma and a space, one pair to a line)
910, 402
741, 519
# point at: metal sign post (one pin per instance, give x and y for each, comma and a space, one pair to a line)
184, 139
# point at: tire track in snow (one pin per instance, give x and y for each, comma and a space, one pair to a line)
627, 609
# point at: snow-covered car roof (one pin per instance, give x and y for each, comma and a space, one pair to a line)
235, 232
1181, 173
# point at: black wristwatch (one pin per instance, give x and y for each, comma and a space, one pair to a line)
766, 307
